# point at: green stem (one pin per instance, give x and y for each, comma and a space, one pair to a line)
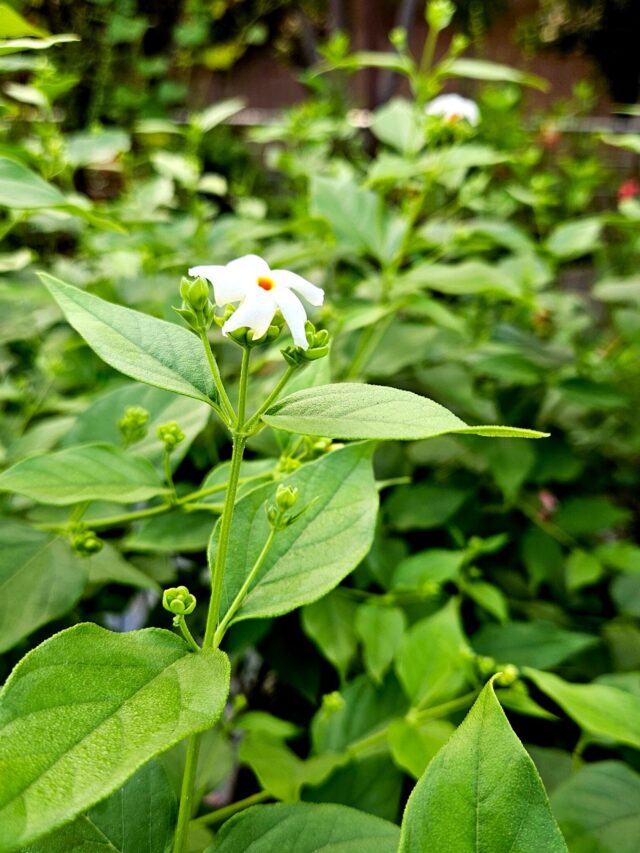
222, 814
239, 444
168, 474
219, 487
237, 601
186, 633
114, 520
275, 393
217, 379
429, 50
186, 793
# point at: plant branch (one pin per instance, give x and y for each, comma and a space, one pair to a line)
226, 406
225, 812
272, 397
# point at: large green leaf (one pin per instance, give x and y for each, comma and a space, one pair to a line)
93, 472
598, 708
598, 809
40, 580
306, 828
153, 351
481, 793
139, 817
315, 553
84, 710
351, 410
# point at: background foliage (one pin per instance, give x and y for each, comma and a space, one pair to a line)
493, 269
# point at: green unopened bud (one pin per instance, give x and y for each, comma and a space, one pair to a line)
196, 309
85, 542
273, 332
179, 601
287, 464
508, 675
133, 424
286, 497
332, 703
170, 434
439, 13
485, 665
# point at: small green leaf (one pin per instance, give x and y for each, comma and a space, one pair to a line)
354, 411
329, 622
279, 770
93, 472
314, 554
140, 816
597, 809
150, 350
574, 239
481, 793
22, 189
381, 630
438, 676
306, 828
40, 580
84, 710
596, 708
413, 746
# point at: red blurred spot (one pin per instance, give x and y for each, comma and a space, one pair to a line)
265, 282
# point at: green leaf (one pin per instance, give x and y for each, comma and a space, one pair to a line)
13, 25
432, 678
539, 644
140, 816
354, 411
380, 629
329, 623
279, 770
480, 793
22, 189
109, 566
413, 746
427, 568
306, 828
597, 708
424, 506
84, 710
93, 472
400, 124
468, 277
582, 569
172, 533
574, 239
314, 554
40, 580
495, 72
150, 350
597, 809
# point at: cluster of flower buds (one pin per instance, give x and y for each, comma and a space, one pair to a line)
245, 336
85, 542
133, 424
179, 601
318, 347
197, 308
278, 512
170, 434
486, 667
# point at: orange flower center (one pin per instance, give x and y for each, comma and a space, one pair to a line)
265, 282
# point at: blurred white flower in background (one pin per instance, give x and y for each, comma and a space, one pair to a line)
454, 108
260, 292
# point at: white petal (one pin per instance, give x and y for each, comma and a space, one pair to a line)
293, 313
256, 312
249, 267
454, 106
314, 295
227, 287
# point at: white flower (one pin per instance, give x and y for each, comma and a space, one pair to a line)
260, 292
454, 108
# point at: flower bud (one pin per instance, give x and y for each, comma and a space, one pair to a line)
133, 424
178, 600
439, 13
508, 675
85, 542
286, 497
196, 309
170, 434
332, 703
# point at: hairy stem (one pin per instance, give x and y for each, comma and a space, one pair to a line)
227, 408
